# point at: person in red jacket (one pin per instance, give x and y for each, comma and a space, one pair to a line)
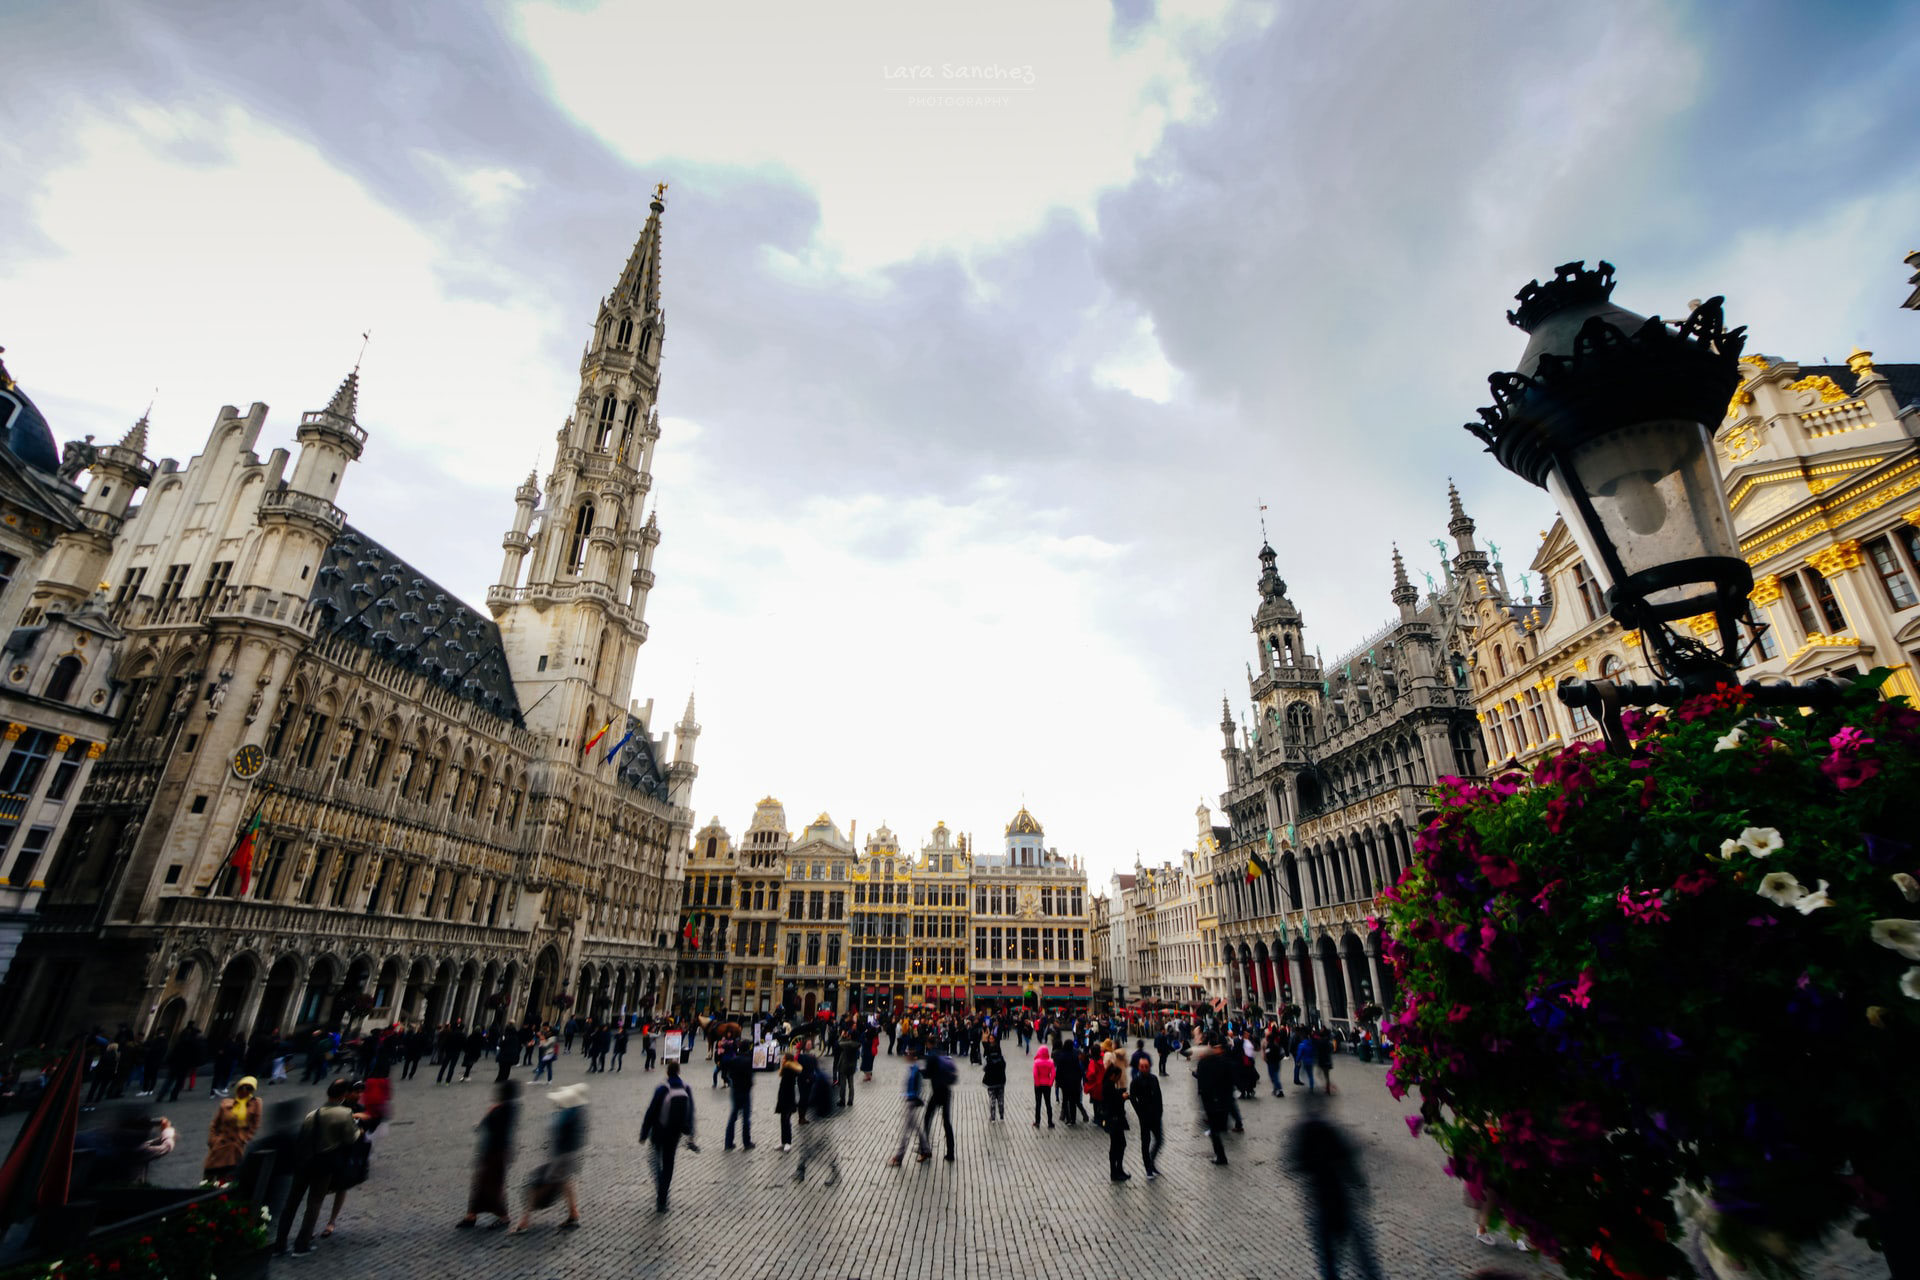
1043, 1084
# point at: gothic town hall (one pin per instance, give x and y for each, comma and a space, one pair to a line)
440, 835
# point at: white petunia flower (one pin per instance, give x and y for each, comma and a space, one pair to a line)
1781, 887
1907, 885
1898, 935
1812, 902
1761, 841
1910, 983
1734, 737
1728, 848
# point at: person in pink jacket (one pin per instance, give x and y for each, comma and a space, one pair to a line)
1043, 1084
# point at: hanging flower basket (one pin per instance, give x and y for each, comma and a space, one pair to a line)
1685, 970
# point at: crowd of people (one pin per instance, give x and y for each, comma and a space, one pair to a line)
1103, 1072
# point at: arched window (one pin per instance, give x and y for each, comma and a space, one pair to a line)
577, 549
604, 437
1499, 660
1610, 667
60, 684
626, 330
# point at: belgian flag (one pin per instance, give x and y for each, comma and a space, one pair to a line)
1257, 867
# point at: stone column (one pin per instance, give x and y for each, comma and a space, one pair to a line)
1322, 989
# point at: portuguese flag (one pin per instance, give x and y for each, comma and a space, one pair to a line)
687, 932
241, 859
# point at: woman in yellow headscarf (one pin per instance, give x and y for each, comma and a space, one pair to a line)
234, 1124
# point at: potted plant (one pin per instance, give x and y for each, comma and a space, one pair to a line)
1620, 973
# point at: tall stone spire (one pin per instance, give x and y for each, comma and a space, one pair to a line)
136, 437
1404, 594
571, 599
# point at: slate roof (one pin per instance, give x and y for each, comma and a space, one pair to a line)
373, 597
1905, 379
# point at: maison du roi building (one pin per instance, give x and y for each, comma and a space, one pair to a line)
437, 840
1822, 468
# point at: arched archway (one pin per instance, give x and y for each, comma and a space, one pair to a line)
230, 999
1263, 973
1353, 952
281, 981
1336, 989
1309, 996
466, 993
316, 1007
1389, 995
546, 982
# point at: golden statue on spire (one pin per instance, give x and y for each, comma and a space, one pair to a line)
660, 192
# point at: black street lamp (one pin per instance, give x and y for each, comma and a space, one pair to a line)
1613, 414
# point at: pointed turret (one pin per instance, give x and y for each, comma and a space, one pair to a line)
346, 400
1469, 562
1404, 594
136, 437
681, 773
329, 439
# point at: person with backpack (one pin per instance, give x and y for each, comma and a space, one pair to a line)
1043, 1077
943, 1075
994, 1077
1067, 1075
325, 1135
1323, 1058
567, 1138
1144, 1094
669, 1118
910, 1119
1276, 1053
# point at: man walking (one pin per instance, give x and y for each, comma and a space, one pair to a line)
1214, 1078
1145, 1097
943, 1075
846, 1061
737, 1061
909, 1122
325, 1135
669, 1118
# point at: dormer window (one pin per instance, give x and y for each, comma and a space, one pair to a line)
65, 673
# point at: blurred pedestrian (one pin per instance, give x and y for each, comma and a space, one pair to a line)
1322, 1158
669, 1118
488, 1191
566, 1139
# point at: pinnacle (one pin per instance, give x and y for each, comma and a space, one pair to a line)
347, 399
136, 437
688, 717
1454, 509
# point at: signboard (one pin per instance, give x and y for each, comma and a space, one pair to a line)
760, 1056
670, 1045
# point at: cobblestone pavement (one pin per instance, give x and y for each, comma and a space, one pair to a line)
1017, 1202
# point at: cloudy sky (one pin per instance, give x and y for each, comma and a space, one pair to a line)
973, 386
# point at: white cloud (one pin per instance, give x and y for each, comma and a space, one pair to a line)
225, 262
949, 681
871, 104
